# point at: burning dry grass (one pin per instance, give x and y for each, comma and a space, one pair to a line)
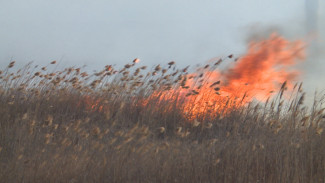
162, 125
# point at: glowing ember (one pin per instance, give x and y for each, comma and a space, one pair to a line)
92, 104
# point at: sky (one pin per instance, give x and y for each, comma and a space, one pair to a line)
101, 32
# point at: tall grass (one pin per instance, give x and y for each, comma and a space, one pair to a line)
116, 126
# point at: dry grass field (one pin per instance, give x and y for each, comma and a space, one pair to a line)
164, 124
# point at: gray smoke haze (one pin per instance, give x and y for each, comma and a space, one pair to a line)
312, 14
315, 30
101, 32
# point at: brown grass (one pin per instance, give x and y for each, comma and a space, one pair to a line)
72, 126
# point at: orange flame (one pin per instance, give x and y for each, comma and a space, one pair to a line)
266, 65
210, 93
91, 104
257, 74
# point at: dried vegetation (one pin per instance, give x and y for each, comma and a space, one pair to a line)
119, 125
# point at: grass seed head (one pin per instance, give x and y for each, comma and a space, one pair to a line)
11, 64
161, 130
136, 60
196, 123
319, 131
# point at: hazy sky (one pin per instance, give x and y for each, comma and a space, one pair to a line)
98, 32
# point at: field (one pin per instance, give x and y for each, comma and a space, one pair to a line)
136, 124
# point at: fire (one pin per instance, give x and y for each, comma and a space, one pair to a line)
256, 75
209, 92
266, 65
92, 104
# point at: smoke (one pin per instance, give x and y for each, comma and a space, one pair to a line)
314, 22
312, 16
312, 26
